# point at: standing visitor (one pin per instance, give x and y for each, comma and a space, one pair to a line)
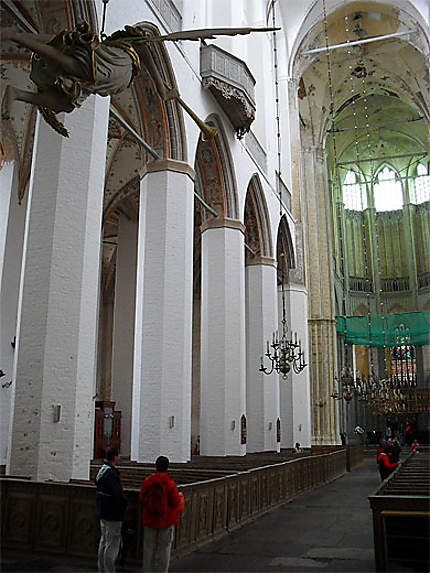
161, 503
110, 509
385, 465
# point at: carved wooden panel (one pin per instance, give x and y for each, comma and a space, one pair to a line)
51, 522
183, 534
254, 494
220, 509
244, 497
60, 518
202, 513
83, 527
17, 518
233, 513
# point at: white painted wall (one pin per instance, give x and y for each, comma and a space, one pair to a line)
262, 391
57, 316
12, 221
123, 326
223, 350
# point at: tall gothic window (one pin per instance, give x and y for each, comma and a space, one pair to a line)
420, 188
353, 193
387, 191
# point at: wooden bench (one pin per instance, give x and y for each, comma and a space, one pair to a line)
401, 512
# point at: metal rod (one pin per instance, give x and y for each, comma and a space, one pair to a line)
215, 214
248, 248
10, 6
205, 205
423, 154
342, 129
134, 133
358, 42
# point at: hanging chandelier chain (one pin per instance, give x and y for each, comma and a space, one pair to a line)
277, 105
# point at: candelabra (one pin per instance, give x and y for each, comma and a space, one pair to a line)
284, 353
345, 385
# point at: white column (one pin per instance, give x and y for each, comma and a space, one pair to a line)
285, 384
161, 417
262, 392
223, 350
300, 387
55, 354
12, 220
123, 326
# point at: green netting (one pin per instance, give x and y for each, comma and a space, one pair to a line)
380, 329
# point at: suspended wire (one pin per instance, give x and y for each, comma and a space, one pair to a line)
333, 139
278, 116
102, 32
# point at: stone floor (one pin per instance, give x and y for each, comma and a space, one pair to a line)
327, 530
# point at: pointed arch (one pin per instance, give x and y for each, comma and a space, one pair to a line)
284, 246
387, 191
215, 181
256, 218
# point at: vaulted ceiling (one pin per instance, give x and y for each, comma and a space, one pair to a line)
374, 97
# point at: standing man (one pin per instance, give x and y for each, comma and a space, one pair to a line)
110, 507
161, 503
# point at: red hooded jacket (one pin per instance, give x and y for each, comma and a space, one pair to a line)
173, 500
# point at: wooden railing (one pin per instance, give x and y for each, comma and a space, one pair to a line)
360, 284
60, 518
395, 284
401, 517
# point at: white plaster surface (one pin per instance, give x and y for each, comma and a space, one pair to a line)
12, 219
262, 391
163, 330
123, 327
223, 351
56, 342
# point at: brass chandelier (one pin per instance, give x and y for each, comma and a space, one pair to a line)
284, 352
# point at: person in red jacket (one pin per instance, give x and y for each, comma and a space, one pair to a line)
385, 466
161, 503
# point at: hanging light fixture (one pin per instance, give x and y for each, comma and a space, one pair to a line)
284, 352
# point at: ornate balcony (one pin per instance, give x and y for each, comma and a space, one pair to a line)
231, 83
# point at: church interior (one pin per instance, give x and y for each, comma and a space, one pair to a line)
225, 259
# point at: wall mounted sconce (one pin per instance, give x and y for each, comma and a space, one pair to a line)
233, 425
270, 426
171, 421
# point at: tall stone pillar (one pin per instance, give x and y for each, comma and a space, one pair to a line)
55, 354
161, 413
12, 222
321, 293
223, 348
262, 392
123, 326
